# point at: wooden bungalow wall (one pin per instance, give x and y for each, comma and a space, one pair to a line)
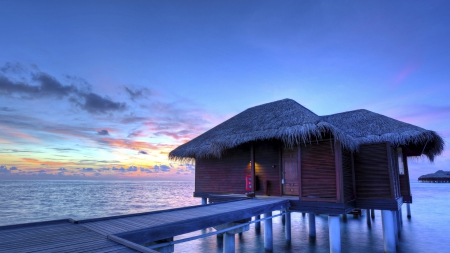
348, 176
223, 175
376, 177
318, 171
227, 174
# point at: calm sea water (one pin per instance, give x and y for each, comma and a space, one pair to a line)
27, 201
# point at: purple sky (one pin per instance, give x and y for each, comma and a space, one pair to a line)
105, 89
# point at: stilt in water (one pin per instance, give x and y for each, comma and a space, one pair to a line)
268, 235
408, 211
401, 216
287, 226
368, 217
389, 241
396, 228
283, 218
312, 224
344, 217
228, 243
334, 227
303, 214
258, 223
372, 213
204, 201
399, 222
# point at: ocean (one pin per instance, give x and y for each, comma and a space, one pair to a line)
29, 201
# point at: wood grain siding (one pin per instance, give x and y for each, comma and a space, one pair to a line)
224, 175
372, 175
227, 174
394, 171
267, 157
318, 173
347, 172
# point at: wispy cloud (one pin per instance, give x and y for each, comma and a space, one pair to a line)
18, 82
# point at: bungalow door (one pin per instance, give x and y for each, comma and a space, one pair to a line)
290, 171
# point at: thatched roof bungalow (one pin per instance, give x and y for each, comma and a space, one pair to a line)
439, 176
352, 159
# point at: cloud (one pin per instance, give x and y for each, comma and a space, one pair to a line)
38, 85
164, 168
132, 168
87, 169
13, 168
103, 132
6, 109
137, 94
62, 169
146, 170
142, 152
4, 170
64, 149
136, 133
97, 104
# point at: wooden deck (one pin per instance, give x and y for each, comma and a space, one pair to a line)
126, 233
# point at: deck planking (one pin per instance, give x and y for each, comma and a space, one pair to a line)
129, 231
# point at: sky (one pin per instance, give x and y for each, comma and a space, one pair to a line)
106, 89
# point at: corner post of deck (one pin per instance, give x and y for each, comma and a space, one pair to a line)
268, 233
334, 227
389, 236
368, 217
287, 226
204, 201
408, 211
312, 224
399, 222
228, 242
258, 223
400, 215
396, 228
372, 213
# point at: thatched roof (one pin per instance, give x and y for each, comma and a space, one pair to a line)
366, 127
290, 122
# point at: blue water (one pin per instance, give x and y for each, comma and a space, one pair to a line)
27, 201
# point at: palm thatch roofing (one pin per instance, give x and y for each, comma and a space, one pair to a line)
293, 124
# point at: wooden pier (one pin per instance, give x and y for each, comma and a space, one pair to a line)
128, 233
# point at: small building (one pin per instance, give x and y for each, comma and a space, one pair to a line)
439, 176
330, 164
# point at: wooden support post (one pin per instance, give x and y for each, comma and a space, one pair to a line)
399, 222
268, 233
312, 224
372, 213
401, 216
287, 226
252, 159
334, 227
303, 214
394, 214
408, 211
258, 223
204, 201
389, 236
228, 243
368, 217
344, 217
283, 218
